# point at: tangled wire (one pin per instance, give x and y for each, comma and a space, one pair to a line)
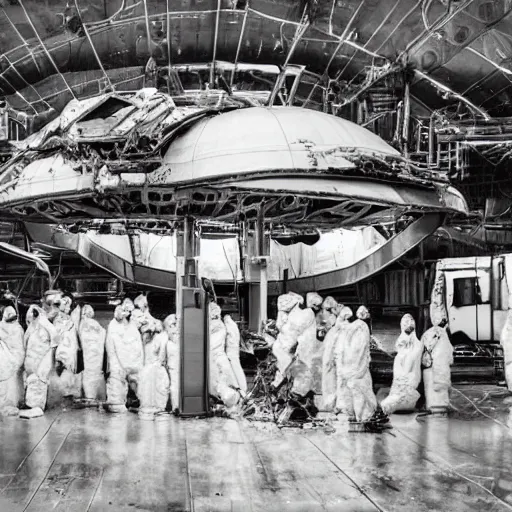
265, 402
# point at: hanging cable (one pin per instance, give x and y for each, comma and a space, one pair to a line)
148, 31
480, 410
169, 46
50, 58
54, 280
18, 94
92, 46
215, 41
16, 69
299, 33
342, 40
239, 46
233, 273
375, 32
25, 42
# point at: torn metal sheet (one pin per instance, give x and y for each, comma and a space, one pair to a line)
335, 267
25, 255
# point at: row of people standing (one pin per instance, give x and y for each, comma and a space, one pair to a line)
142, 355
46, 351
428, 358
136, 355
41, 362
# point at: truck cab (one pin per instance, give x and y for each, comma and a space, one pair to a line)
476, 297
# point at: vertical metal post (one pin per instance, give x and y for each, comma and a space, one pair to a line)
193, 325
169, 47
262, 261
215, 39
407, 117
431, 142
239, 47
180, 272
263, 294
148, 30
191, 251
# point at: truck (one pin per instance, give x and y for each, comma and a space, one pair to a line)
476, 292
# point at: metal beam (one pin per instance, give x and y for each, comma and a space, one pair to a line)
215, 39
88, 36
443, 88
25, 43
377, 30
148, 31
437, 25
169, 46
299, 33
369, 85
407, 117
48, 54
239, 47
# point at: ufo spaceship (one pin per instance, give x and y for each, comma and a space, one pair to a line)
314, 115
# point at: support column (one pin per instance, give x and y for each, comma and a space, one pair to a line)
263, 294
258, 253
407, 115
192, 308
263, 251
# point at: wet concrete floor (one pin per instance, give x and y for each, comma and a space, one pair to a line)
86, 460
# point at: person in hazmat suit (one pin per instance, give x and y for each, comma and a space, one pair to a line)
403, 394
12, 355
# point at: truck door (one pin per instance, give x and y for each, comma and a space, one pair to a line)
499, 296
468, 301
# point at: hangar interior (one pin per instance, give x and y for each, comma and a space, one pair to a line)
246, 232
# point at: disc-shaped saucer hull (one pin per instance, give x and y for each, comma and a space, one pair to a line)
307, 167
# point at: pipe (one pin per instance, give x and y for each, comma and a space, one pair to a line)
43, 46
446, 89
299, 33
215, 39
239, 47
88, 36
263, 295
431, 134
407, 118
148, 31
169, 46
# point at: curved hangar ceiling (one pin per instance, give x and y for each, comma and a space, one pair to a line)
458, 51
299, 168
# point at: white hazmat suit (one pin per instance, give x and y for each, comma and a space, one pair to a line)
173, 358
223, 382
67, 351
125, 356
406, 370
153, 385
354, 395
437, 359
292, 323
12, 355
233, 352
329, 388
92, 338
41, 338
